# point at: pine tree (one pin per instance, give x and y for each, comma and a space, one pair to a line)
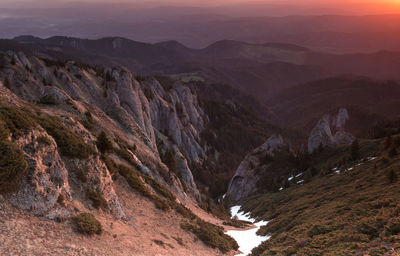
391, 176
103, 143
13, 61
170, 160
355, 150
108, 76
388, 142
392, 152
7, 83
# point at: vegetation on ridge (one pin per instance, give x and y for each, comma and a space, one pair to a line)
343, 212
87, 224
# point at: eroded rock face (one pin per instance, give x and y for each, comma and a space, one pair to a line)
322, 134
46, 178
340, 120
342, 138
99, 178
182, 167
138, 110
245, 179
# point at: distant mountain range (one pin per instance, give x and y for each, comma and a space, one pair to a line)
261, 70
199, 27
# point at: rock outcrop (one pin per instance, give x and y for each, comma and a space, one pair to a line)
245, 180
109, 99
322, 134
46, 178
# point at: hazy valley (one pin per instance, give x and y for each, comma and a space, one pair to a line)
209, 133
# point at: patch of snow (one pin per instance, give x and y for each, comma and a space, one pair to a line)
300, 181
223, 197
337, 172
241, 215
298, 175
290, 178
280, 189
351, 168
246, 239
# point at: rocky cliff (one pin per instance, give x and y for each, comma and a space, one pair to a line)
330, 130
143, 120
268, 167
246, 177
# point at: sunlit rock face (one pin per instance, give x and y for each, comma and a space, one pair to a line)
137, 111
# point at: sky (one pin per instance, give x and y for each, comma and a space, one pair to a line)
320, 6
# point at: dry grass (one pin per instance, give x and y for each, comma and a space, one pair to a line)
335, 214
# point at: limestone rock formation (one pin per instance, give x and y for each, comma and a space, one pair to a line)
245, 179
130, 111
322, 134
46, 178
141, 107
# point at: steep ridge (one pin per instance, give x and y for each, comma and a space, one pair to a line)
260, 69
270, 166
89, 146
338, 197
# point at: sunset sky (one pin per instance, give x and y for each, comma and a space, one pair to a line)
320, 7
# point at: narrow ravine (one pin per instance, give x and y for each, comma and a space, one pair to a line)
247, 239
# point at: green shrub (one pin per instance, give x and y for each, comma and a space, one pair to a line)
82, 176
392, 152
317, 230
236, 223
166, 82
159, 242
162, 190
88, 121
391, 176
103, 143
48, 100
61, 199
378, 251
211, 235
111, 166
12, 166
124, 154
169, 160
184, 211
355, 150
7, 83
17, 120
70, 144
393, 227
86, 223
44, 140
97, 197
160, 203
178, 240
4, 132
133, 179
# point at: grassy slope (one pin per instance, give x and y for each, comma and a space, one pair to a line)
336, 214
